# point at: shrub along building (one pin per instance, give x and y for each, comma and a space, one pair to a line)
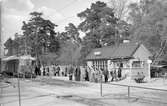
133, 59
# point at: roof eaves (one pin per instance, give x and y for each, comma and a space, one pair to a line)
138, 45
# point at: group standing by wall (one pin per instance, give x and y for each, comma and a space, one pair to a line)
49, 70
79, 73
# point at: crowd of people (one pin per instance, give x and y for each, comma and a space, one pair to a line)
94, 74
49, 70
77, 73
98, 74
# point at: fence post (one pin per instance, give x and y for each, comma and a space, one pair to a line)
101, 85
128, 93
164, 78
18, 85
19, 93
1, 92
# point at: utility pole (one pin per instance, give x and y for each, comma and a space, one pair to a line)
161, 51
0, 39
18, 79
25, 44
36, 38
116, 36
101, 78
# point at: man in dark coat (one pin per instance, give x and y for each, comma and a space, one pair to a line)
65, 72
86, 75
58, 70
112, 75
106, 75
75, 73
36, 70
119, 72
44, 71
70, 72
48, 70
78, 72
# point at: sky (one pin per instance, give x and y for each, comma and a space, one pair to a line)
60, 12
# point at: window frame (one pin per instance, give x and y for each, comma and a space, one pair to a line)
139, 65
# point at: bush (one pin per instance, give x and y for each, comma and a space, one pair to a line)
139, 78
28, 75
16, 75
7, 74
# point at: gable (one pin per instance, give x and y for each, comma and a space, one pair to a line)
142, 53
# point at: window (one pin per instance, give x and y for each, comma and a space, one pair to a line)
137, 64
100, 63
126, 65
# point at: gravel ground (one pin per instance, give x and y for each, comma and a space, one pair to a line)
58, 91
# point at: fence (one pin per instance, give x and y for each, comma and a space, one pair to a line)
3, 86
129, 88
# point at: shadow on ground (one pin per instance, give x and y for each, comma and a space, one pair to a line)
63, 83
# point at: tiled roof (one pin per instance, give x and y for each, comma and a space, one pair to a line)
125, 50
